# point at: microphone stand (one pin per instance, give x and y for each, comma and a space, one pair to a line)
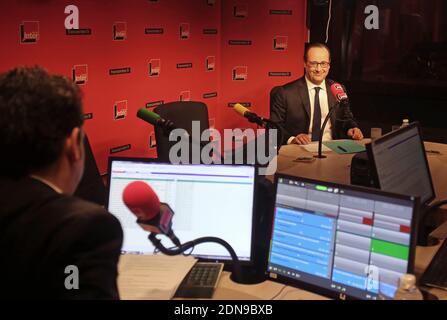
320, 140
236, 274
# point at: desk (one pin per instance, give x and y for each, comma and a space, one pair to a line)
229, 290
336, 167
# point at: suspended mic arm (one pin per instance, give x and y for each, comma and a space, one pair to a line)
236, 274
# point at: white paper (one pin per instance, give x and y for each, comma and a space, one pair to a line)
151, 277
313, 147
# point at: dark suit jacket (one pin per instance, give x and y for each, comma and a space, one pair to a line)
290, 107
42, 232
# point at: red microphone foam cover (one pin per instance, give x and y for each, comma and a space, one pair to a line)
338, 91
141, 199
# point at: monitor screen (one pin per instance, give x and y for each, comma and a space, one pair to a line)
340, 241
208, 200
400, 163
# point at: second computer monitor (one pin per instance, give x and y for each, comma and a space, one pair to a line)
340, 241
400, 164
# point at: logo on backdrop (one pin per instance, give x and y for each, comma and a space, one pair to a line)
119, 31
154, 31
239, 42
88, 116
120, 148
154, 104
210, 95
240, 11
154, 67
280, 43
184, 31
281, 12
80, 74
29, 32
120, 110
118, 71
210, 63
185, 95
245, 104
240, 73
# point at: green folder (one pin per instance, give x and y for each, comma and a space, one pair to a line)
344, 146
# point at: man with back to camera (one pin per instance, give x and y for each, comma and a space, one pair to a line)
301, 106
45, 232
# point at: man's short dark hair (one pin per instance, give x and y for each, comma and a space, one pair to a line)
315, 45
37, 112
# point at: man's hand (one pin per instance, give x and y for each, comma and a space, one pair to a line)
302, 139
355, 133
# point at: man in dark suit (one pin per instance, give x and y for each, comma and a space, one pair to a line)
53, 245
301, 106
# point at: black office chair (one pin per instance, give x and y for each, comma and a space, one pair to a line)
91, 186
181, 113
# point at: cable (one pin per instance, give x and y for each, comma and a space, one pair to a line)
280, 291
328, 21
237, 272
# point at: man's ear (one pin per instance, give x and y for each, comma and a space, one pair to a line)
74, 143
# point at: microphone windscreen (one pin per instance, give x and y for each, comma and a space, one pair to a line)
141, 199
240, 109
338, 92
148, 116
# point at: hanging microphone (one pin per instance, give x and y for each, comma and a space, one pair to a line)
251, 116
153, 216
155, 119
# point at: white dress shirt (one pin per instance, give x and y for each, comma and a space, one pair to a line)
48, 183
324, 106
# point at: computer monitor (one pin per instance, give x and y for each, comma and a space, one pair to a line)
208, 200
400, 165
340, 241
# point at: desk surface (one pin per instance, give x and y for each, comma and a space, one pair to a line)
229, 290
336, 168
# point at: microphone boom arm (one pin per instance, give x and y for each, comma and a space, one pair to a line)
236, 274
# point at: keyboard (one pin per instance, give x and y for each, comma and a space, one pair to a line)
201, 281
436, 275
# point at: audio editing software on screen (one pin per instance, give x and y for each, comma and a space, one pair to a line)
341, 240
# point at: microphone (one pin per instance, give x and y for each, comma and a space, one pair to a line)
339, 93
342, 98
155, 119
153, 216
251, 116
156, 217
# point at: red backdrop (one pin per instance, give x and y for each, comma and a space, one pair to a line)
217, 52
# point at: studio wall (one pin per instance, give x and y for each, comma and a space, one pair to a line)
132, 54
